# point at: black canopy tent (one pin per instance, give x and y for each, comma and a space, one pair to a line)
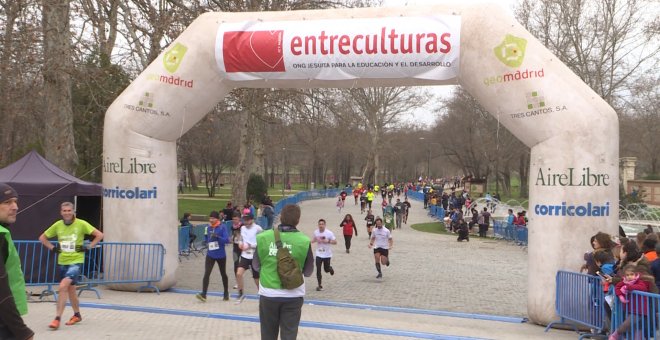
41, 188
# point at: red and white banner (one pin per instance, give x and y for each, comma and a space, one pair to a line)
399, 47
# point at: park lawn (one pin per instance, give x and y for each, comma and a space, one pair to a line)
200, 207
432, 227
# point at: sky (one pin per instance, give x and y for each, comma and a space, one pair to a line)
425, 114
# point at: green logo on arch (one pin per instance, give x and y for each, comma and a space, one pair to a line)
511, 51
172, 58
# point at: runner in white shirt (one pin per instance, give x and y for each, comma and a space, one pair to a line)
248, 246
381, 240
324, 238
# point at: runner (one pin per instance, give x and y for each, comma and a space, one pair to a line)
363, 201
370, 222
399, 210
370, 198
407, 206
356, 194
248, 244
70, 232
216, 238
325, 238
381, 240
348, 226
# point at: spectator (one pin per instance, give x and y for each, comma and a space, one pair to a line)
268, 212
484, 222
630, 254
279, 308
639, 238
634, 279
13, 300
648, 249
655, 266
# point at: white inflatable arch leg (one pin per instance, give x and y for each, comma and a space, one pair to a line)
572, 132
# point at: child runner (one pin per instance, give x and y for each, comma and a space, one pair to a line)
370, 222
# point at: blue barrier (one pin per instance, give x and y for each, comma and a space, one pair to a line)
107, 263
515, 233
641, 311
580, 300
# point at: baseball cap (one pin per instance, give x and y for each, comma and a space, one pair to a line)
248, 216
7, 192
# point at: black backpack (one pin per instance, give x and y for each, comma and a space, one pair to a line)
288, 270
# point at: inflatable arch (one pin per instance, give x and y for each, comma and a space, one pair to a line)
572, 132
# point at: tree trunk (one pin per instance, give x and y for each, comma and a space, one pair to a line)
523, 169
7, 114
239, 181
58, 140
258, 160
191, 175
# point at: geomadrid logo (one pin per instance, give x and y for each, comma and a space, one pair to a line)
588, 210
255, 51
172, 58
511, 51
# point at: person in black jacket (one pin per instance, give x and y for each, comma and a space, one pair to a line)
13, 300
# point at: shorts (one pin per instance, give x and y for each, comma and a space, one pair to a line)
247, 263
381, 251
71, 271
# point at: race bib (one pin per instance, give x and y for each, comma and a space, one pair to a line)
68, 246
214, 245
248, 251
321, 250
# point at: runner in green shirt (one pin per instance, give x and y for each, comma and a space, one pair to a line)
70, 232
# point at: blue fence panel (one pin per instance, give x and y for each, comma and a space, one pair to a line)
107, 263
641, 311
184, 239
580, 300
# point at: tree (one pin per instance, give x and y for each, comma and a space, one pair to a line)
58, 135
377, 109
607, 43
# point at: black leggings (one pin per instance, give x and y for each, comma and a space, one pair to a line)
326, 267
222, 263
347, 241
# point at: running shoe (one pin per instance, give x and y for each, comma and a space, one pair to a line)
55, 324
379, 276
225, 297
319, 288
200, 297
74, 320
240, 299
332, 271
235, 287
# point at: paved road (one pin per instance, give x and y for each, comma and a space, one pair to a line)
428, 271
446, 284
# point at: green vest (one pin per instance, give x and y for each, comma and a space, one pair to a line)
298, 244
16, 279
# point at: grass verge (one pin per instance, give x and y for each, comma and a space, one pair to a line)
432, 227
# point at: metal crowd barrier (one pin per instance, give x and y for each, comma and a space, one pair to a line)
515, 233
580, 301
107, 263
641, 310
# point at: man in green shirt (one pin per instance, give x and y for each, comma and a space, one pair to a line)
279, 308
70, 232
13, 300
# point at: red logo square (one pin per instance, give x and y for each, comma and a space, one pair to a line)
253, 51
